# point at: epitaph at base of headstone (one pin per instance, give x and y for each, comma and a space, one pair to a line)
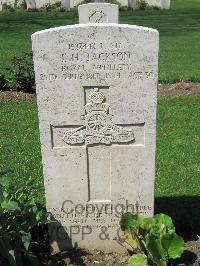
96, 94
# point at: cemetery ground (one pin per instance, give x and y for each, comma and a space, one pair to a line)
177, 165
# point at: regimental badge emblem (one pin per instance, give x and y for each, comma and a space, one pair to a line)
98, 127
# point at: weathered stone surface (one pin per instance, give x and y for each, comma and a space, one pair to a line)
98, 13
96, 94
163, 4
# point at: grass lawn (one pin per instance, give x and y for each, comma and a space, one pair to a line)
178, 27
178, 156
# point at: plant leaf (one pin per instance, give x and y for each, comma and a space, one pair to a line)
4, 181
10, 205
138, 260
130, 221
166, 241
165, 220
26, 239
154, 247
176, 247
131, 240
147, 224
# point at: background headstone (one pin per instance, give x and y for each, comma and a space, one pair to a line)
74, 3
163, 4
132, 4
65, 4
96, 93
30, 4
124, 2
98, 13
42, 3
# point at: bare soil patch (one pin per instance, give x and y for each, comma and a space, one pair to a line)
181, 89
78, 257
16, 96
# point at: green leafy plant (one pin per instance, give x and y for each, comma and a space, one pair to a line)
141, 4
51, 7
15, 6
8, 7
22, 71
3, 83
151, 241
19, 214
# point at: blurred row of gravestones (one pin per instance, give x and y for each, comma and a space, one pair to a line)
69, 4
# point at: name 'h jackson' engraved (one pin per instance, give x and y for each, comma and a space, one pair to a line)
98, 125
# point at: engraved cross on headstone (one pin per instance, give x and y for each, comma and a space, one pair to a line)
97, 133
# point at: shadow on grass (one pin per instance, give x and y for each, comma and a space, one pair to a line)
185, 212
26, 22
52, 245
168, 22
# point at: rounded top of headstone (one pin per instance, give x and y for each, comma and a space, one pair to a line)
98, 13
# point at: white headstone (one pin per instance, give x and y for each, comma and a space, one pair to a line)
124, 2
98, 13
163, 4
132, 4
74, 3
42, 3
65, 4
96, 94
30, 4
